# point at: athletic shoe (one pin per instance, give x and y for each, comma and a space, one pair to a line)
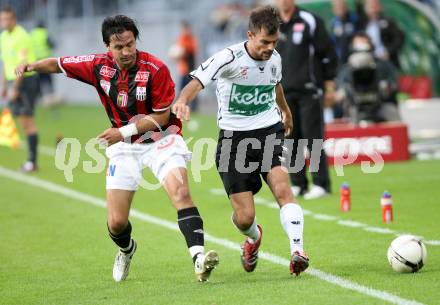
315, 192
29, 167
249, 253
122, 264
298, 263
204, 264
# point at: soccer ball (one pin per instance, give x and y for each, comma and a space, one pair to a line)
406, 254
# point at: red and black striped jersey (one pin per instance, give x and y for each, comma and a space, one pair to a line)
145, 88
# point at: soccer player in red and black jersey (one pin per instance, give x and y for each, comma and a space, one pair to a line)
136, 91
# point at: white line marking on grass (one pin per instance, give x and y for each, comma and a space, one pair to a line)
46, 150
332, 279
347, 223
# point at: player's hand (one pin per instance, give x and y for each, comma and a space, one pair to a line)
13, 95
110, 136
22, 69
288, 123
181, 110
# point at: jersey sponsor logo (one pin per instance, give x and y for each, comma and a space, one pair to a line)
141, 93
105, 85
122, 99
77, 59
142, 76
251, 100
107, 71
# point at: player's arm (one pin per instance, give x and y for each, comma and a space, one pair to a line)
189, 92
285, 110
147, 123
48, 65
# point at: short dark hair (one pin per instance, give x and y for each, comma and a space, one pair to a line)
266, 17
8, 10
117, 25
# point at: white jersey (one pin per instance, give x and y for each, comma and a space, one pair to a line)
245, 88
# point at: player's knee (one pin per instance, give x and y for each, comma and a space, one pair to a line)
244, 220
117, 224
181, 195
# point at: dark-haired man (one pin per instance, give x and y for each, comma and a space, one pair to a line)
136, 91
252, 112
16, 49
310, 63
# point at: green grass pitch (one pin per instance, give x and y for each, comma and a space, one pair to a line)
54, 248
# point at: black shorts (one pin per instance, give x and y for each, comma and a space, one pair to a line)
27, 95
241, 165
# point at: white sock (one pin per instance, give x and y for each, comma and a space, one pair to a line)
194, 250
252, 232
292, 220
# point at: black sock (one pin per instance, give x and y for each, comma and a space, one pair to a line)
32, 146
122, 239
191, 226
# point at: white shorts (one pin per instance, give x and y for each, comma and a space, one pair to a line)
127, 161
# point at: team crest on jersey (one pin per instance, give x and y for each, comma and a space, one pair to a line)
244, 72
122, 99
142, 76
299, 27
105, 85
107, 71
273, 70
141, 93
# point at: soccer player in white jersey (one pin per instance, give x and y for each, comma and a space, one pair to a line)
253, 118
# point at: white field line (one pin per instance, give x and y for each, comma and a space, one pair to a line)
347, 223
50, 151
330, 278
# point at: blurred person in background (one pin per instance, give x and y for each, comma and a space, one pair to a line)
384, 32
21, 92
184, 52
367, 86
343, 26
43, 46
309, 67
136, 91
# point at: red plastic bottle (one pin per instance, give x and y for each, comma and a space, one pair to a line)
387, 207
345, 197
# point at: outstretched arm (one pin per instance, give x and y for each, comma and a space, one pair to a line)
181, 108
48, 65
285, 110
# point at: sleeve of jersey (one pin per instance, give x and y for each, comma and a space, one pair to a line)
280, 71
213, 67
79, 67
162, 90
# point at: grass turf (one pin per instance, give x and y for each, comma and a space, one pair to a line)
55, 250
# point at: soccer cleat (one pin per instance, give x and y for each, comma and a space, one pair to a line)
122, 264
29, 167
249, 253
204, 264
315, 192
298, 263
